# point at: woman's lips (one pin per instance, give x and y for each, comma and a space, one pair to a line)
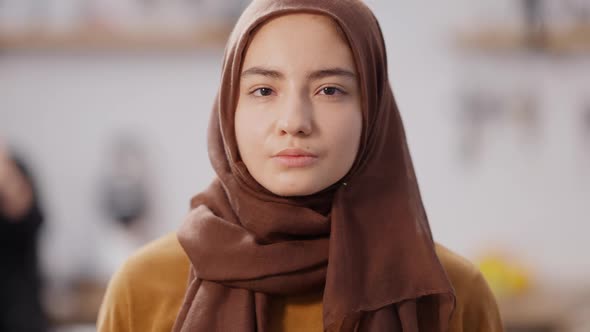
295, 158
296, 161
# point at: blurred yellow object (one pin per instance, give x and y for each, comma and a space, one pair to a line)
505, 277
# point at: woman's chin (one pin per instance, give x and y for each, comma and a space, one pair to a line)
293, 192
294, 188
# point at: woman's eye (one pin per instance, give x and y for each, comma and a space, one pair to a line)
262, 92
331, 91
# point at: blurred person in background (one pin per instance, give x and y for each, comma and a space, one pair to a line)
20, 221
125, 196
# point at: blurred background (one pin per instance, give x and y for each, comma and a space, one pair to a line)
106, 102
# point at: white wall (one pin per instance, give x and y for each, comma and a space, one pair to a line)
531, 200
62, 111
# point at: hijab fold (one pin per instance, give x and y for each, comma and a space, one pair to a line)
365, 241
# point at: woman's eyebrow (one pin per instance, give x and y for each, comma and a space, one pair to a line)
330, 72
263, 72
313, 76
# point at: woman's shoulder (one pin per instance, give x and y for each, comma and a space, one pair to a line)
476, 308
156, 266
458, 268
162, 253
151, 283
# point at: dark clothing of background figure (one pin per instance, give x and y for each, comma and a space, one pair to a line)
20, 280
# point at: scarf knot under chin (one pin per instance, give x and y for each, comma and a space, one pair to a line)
233, 273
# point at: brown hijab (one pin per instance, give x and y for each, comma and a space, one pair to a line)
365, 240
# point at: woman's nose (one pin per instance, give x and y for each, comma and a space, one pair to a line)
295, 117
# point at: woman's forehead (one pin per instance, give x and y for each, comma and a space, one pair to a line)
297, 21
296, 41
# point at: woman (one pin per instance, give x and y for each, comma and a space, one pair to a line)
315, 221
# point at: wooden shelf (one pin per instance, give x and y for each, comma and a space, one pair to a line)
78, 304
546, 308
93, 39
571, 41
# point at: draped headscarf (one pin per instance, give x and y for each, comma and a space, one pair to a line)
365, 241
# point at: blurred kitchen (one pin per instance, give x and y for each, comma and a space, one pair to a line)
108, 101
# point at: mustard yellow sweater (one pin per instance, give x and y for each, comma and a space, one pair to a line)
147, 292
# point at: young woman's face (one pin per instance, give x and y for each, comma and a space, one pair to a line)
298, 120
